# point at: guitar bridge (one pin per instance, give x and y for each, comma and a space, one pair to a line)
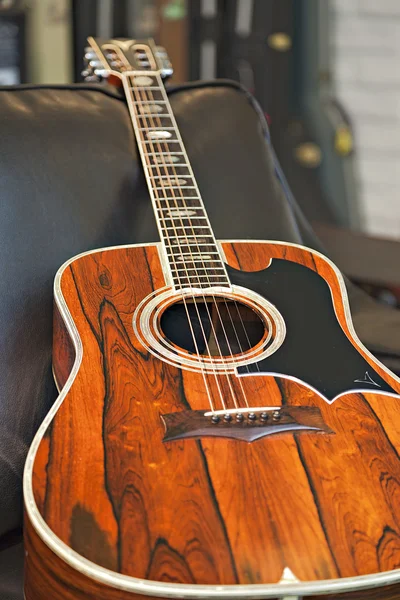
247, 425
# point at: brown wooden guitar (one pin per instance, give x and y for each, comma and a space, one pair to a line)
220, 431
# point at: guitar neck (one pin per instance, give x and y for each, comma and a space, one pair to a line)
193, 256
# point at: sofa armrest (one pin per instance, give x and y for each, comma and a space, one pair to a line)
364, 259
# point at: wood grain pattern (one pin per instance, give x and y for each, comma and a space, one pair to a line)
45, 571
210, 511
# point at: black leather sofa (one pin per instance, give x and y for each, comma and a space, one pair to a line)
69, 182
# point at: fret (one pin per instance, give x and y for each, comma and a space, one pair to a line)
154, 115
180, 218
179, 246
174, 187
197, 263
177, 181
181, 213
191, 227
186, 237
147, 101
194, 269
163, 154
165, 168
158, 128
178, 226
186, 220
168, 172
177, 198
164, 160
168, 177
195, 280
181, 208
166, 115
192, 278
150, 87
192, 254
178, 232
201, 250
177, 201
203, 266
155, 88
190, 191
160, 165
154, 95
166, 141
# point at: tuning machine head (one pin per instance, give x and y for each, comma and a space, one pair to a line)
163, 61
115, 57
94, 70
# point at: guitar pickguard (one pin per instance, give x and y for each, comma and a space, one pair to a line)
316, 351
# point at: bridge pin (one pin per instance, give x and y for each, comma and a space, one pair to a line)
264, 416
252, 416
215, 419
276, 415
228, 418
239, 417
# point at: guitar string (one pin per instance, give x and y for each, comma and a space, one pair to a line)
161, 150
224, 299
167, 152
176, 176
226, 304
162, 91
158, 199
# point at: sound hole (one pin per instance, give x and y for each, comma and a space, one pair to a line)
216, 325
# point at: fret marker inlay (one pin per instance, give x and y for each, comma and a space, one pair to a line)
151, 108
193, 257
170, 181
143, 80
176, 212
159, 134
166, 159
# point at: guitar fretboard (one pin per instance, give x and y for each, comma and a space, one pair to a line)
193, 255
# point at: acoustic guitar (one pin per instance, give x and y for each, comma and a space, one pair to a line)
220, 431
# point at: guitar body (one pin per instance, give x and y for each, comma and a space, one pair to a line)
132, 490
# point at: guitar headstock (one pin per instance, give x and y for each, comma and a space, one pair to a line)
104, 58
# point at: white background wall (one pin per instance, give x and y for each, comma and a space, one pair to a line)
366, 70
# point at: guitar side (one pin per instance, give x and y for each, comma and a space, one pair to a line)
112, 511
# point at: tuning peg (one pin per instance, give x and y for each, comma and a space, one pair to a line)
101, 73
86, 73
167, 72
96, 64
160, 51
90, 55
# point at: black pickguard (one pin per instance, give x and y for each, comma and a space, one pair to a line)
315, 350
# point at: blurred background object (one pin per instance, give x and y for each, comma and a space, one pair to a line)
325, 73
12, 42
49, 41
